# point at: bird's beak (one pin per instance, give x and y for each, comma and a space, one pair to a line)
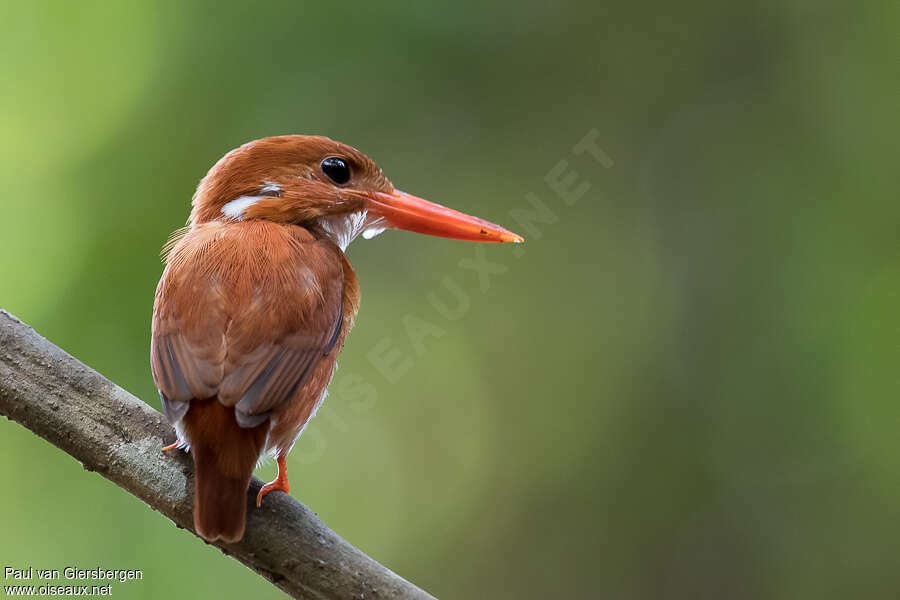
405, 211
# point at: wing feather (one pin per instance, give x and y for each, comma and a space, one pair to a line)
244, 323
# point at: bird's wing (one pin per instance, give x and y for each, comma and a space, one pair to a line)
301, 329
247, 330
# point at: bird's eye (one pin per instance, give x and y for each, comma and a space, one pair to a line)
336, 169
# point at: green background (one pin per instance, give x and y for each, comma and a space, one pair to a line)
684, 385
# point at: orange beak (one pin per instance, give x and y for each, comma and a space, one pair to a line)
405, 211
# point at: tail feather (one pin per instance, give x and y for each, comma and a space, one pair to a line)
224, 457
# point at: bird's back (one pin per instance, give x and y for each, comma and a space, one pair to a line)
247, 321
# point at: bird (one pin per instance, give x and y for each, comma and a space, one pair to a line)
256, 299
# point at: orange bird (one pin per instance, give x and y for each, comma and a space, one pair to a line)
257, 298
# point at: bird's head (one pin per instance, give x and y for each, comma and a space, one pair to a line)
328, 187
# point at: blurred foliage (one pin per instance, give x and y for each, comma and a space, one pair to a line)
686, 386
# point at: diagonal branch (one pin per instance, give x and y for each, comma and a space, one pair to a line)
113, 433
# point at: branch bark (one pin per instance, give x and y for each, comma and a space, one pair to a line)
120, 437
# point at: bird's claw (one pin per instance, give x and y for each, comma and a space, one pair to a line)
280, 483
177, 443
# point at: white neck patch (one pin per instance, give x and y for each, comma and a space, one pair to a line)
341, 229
235, 209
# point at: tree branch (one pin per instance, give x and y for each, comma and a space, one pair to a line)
113, 433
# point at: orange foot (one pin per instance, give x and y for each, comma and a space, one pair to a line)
172, 446
279, 483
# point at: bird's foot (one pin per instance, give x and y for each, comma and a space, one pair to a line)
280, 483
177, 443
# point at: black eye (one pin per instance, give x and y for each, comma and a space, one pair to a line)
336, 169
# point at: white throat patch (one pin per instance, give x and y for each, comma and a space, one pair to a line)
343, 229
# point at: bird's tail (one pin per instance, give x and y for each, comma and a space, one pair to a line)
224, 457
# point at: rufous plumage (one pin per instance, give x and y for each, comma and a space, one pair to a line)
257, 298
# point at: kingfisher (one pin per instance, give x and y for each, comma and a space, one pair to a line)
256, 300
